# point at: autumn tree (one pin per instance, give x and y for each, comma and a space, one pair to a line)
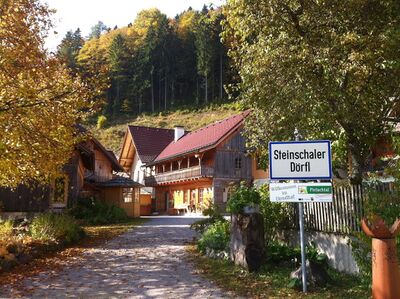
325, 67
39, 101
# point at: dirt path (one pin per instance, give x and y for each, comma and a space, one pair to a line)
146, 262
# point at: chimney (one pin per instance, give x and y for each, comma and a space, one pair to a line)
179, 132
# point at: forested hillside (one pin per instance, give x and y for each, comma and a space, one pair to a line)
154, 63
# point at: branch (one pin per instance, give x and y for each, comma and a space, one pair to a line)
9, 105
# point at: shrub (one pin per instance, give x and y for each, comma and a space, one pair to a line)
275, 214
6, 229
101, 121
385, 205
278, 253
241, 197
58, 228
93, 211
214, 215
216, 237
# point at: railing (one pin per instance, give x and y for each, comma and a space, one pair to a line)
179, 175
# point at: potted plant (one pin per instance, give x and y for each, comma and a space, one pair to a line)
244, 200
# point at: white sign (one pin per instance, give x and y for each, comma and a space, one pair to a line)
300, 192
300, 160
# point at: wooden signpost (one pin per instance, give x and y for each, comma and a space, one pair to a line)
308, 161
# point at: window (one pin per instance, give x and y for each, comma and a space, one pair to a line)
127, 194
238, 163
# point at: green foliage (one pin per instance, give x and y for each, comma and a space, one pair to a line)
385, 204
216, 237
58, 228
156, 63
275, 214
101, 121
241, 197
6, 229
93, 211
68, 49
361, 250
280, 253
319, 66
214, 215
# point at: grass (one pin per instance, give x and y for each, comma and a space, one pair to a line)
271, 281
52, 259
111, 136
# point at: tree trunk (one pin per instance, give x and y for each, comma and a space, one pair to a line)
172, 93
152, 92
206, 91
197, 91
356, 165
159, 91
165, 92
220, 77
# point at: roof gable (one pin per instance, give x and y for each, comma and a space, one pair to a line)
150, 142
208, 136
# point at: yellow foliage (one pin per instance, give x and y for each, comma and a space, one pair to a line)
39, 101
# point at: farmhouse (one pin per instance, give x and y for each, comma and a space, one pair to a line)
187, 171
92, 171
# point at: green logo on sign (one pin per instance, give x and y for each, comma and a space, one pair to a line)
319, 189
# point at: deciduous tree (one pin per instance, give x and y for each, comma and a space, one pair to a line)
322, 66
39, 101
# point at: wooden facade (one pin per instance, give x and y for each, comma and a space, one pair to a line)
192, 182
90, 172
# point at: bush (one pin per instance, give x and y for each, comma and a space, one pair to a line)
275, 214
58, 228
93, 211
101, 121
278, 253
241, 197
216, 237
214, 215
377, 203
6, 229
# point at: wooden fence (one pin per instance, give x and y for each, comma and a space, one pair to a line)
340, 216
24, 199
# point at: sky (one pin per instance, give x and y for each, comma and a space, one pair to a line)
83, 14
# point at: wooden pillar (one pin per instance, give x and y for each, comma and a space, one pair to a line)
179, 164
188, 164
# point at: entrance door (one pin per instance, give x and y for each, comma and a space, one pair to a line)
193, 198
166, 200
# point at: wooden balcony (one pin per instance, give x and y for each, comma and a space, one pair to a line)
181, 175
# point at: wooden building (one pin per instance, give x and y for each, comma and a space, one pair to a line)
141, 145
196, 168
92, 171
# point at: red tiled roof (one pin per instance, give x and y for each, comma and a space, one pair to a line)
150, 142
202, 138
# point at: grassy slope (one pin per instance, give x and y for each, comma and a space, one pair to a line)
112, 134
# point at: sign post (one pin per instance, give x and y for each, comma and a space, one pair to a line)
300, 160
302, 241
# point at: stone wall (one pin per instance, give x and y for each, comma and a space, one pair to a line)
335, 246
